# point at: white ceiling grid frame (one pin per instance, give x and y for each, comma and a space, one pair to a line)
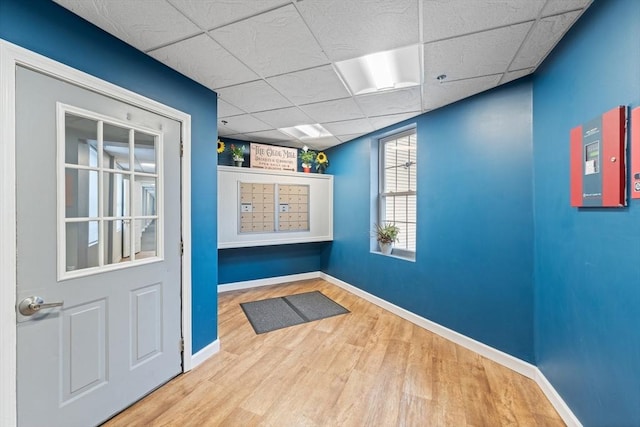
142, 24
211, 14
444, 19
311, 85
333, 111
275, 57
270, 136
264, 43
349, 29
440, 94
349, 126
391, 102
479, 54
544, 36
384, 121
217, 68
513, 75
227, 110
254, 96
284, 117
247, 123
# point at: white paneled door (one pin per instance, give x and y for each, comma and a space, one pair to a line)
98, 244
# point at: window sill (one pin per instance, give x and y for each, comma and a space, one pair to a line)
411, 257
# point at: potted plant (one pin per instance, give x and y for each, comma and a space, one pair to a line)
238, 154
386, 235
322, 162
307, 157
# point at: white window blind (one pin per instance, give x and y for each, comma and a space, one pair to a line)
398, 187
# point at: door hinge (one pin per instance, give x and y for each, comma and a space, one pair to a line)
182, 345
181, 149
181, 247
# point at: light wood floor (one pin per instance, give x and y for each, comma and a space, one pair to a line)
365, 368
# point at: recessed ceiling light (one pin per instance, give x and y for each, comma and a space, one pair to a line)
302, 132
392, 69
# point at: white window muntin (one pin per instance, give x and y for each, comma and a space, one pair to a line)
62, 221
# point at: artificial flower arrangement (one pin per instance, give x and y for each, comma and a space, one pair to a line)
237, 153
221, 146
307, 157
322, 162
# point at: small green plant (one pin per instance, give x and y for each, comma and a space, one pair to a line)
387, 233
307, 156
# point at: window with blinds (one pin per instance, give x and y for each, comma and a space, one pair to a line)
398, 187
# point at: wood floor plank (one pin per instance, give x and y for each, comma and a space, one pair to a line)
365, 368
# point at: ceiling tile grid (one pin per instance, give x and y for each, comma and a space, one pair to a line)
272, 43
272, 62
214, 69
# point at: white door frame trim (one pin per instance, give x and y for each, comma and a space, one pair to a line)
12, 55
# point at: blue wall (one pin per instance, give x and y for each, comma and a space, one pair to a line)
474, 266
48, 29
237, 265
586, 260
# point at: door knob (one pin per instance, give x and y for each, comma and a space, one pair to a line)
32, 305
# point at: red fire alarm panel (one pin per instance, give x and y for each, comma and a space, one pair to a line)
598, 161
635, 153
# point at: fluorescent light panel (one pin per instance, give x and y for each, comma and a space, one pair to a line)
392, 69
303, 132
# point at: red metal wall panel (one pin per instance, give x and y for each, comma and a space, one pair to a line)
575, 154
635, 153
613, 159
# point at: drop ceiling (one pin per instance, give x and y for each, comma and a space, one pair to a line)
272, 62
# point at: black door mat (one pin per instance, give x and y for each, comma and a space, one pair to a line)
276, 313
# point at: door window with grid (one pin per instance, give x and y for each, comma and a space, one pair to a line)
108, 193
398, 188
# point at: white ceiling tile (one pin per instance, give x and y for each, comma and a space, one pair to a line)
390, 102
392, 119
513, 75
348, 29
272, 43
440, 94
204, 61
142, 24
560, 6
254, 96
209, 14
246, 123
449, 18
349, 126
319, 144
546, 33
474, 55
224, 130
313, 85
284, 117
226, 110
268, 136
345, 138
333, 111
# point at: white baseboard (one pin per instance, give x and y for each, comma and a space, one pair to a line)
563, 409
511, 362
267, 282
205, 353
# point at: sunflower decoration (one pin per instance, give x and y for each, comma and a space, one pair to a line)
322, 162
221, 146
